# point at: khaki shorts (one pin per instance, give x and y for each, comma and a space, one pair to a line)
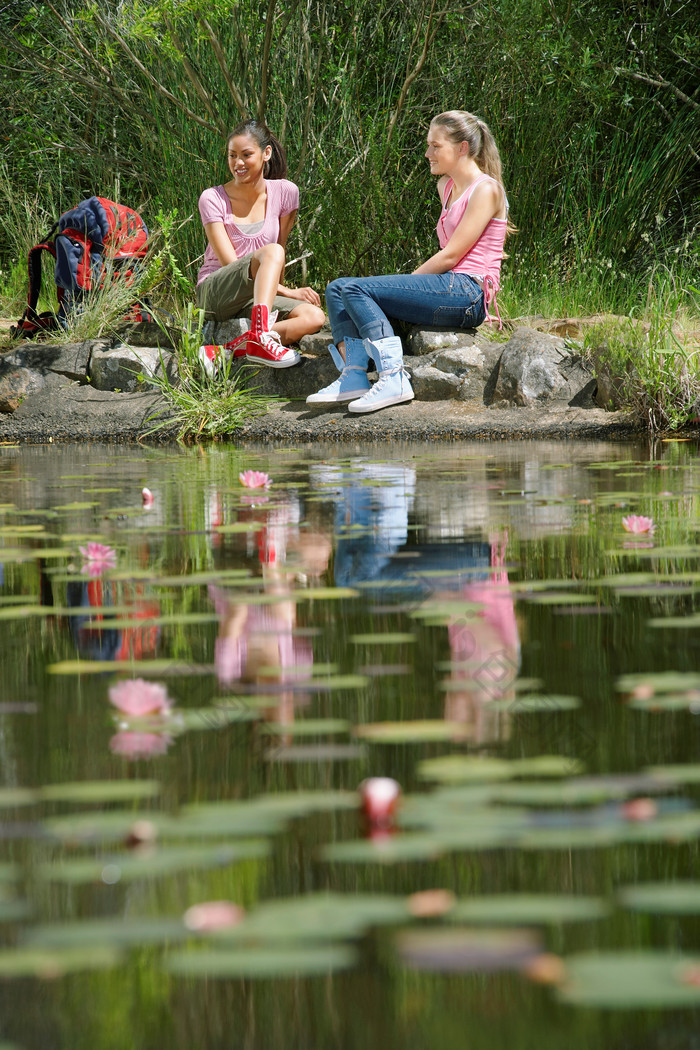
228, 292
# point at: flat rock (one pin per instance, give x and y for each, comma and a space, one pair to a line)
430, 384
460, 362
316, 344
62, 410
421, 340
67, 359
119, 368
296, 383
148, 333
537, 368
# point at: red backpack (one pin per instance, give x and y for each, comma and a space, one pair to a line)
87, 242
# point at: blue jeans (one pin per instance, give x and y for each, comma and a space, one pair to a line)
361, 306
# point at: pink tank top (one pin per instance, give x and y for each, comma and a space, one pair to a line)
483, 260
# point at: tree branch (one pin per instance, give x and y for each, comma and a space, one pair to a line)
194, 80
223, 66
430, 33
151, 79
267, 47
658, 82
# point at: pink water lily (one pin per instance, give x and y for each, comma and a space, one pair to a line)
98, 557
637, 523
255, 479
213, 915
146, 498
136, 698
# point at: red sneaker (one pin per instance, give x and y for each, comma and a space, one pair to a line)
209, 358
266, 349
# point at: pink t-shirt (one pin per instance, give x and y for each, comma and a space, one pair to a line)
214, 206
483, 260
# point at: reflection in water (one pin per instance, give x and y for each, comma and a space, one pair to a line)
373, 503
258, 646
485, 654
423, 540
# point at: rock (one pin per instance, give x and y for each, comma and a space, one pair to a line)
68, 359
84, 411
421, 341
224, 332
430, 384
119, 368
16, 385
317, 344
537, 368
148, 333
464, 361
296, 382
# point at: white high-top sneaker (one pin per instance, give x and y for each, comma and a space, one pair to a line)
393, 386
352, 381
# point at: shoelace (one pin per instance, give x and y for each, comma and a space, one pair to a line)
273, 344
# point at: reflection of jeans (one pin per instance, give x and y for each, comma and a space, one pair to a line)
372, 520
360, 306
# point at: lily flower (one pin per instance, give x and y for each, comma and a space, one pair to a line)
254, 479
136, 698
380, 798
98, 557
637, 523
147, 498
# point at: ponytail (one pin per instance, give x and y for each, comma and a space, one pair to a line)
461, 126
276, 166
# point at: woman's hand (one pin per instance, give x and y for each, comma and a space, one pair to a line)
307, 295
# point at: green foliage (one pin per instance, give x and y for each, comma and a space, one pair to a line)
649, 368
198, 405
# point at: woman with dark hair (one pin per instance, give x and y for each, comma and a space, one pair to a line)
247, 222
451, 289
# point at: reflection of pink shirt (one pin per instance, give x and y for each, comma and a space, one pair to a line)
214, 206
296, 655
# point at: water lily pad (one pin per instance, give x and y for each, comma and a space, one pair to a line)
278, 961
175, 668
161, 862
631, 980
457, 769
315, 753
467, 951
48, 964
317, 917
397, 638
678, 774
114, 933
410, 732
11, 797
14, 910
542, 909
533, 703
114, 825
100, 790
307, 727
388, 849
663, 898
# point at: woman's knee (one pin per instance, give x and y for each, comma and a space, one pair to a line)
312, 316
272, 253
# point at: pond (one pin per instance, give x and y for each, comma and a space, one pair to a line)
212, 693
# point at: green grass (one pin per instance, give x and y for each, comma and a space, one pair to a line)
197, 405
